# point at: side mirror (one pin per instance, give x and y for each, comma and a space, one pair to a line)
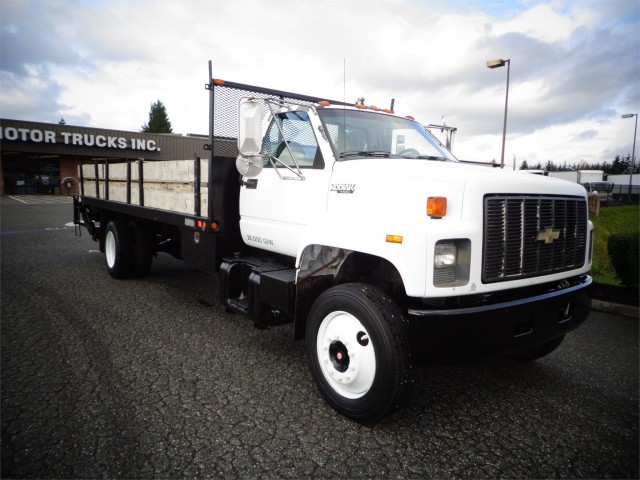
249, 166
249, 127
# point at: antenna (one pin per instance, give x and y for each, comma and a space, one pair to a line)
344, 100
344, 80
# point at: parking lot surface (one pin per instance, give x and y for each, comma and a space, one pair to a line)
152, 378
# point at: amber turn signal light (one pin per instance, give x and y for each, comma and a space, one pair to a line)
437, 206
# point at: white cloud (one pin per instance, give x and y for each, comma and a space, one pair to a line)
548, 22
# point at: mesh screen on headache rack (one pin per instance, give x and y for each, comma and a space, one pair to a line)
228, 95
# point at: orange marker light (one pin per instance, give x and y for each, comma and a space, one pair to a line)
394, 238
437, 206
324, 103
217, 81
360, 106
214, 225
410, 117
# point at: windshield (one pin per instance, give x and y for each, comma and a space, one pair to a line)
360, 134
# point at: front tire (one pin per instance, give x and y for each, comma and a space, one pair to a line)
358, 351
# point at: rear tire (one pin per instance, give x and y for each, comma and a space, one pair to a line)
358, 351
117, 249
142, 249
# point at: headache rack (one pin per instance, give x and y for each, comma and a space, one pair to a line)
225, 97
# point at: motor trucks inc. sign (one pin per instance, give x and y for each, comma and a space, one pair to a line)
106, 141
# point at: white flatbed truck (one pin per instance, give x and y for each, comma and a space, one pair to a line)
359, 227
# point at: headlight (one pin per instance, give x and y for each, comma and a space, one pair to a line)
446, 255
451, 263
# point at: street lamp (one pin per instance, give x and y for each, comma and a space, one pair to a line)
633, 152
495, 64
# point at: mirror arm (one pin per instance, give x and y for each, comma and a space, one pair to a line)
273, 160
286, 143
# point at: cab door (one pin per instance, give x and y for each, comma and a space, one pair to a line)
277, 206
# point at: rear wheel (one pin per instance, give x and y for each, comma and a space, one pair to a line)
117, 249
142, 249
358, 351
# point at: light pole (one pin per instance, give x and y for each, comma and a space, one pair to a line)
633, 152
495, 64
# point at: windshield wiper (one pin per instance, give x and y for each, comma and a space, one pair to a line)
365, 153
432, 157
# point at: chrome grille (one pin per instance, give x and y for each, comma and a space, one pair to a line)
528, 236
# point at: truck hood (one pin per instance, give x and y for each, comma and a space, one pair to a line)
391, 185
452, 172
449, 179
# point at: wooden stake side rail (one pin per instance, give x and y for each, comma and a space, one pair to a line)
168, 185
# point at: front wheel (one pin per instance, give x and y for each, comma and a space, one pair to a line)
358, 351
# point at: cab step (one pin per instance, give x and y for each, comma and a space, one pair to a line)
262, 288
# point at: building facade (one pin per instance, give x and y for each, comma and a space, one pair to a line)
44, 158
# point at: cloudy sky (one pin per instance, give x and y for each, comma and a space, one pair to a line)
575, 65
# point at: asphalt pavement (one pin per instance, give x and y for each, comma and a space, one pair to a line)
151, 378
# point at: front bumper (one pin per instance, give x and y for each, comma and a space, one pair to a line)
508, 323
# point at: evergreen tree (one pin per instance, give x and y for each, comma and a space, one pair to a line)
617, 167
524, 165
626, 162
158, 120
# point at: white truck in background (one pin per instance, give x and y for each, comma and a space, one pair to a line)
591, 180
360, 228
579, 176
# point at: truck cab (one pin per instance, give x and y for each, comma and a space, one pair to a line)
303, 149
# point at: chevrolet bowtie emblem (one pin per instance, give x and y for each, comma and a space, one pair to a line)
548, 235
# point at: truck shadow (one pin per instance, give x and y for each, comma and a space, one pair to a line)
455, 386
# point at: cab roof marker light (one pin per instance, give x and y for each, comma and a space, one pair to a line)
324, 103
217, 81
437, 207
360, 106
410, 117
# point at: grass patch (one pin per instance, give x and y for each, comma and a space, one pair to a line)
621, 219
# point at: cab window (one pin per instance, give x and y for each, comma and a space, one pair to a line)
302, 142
